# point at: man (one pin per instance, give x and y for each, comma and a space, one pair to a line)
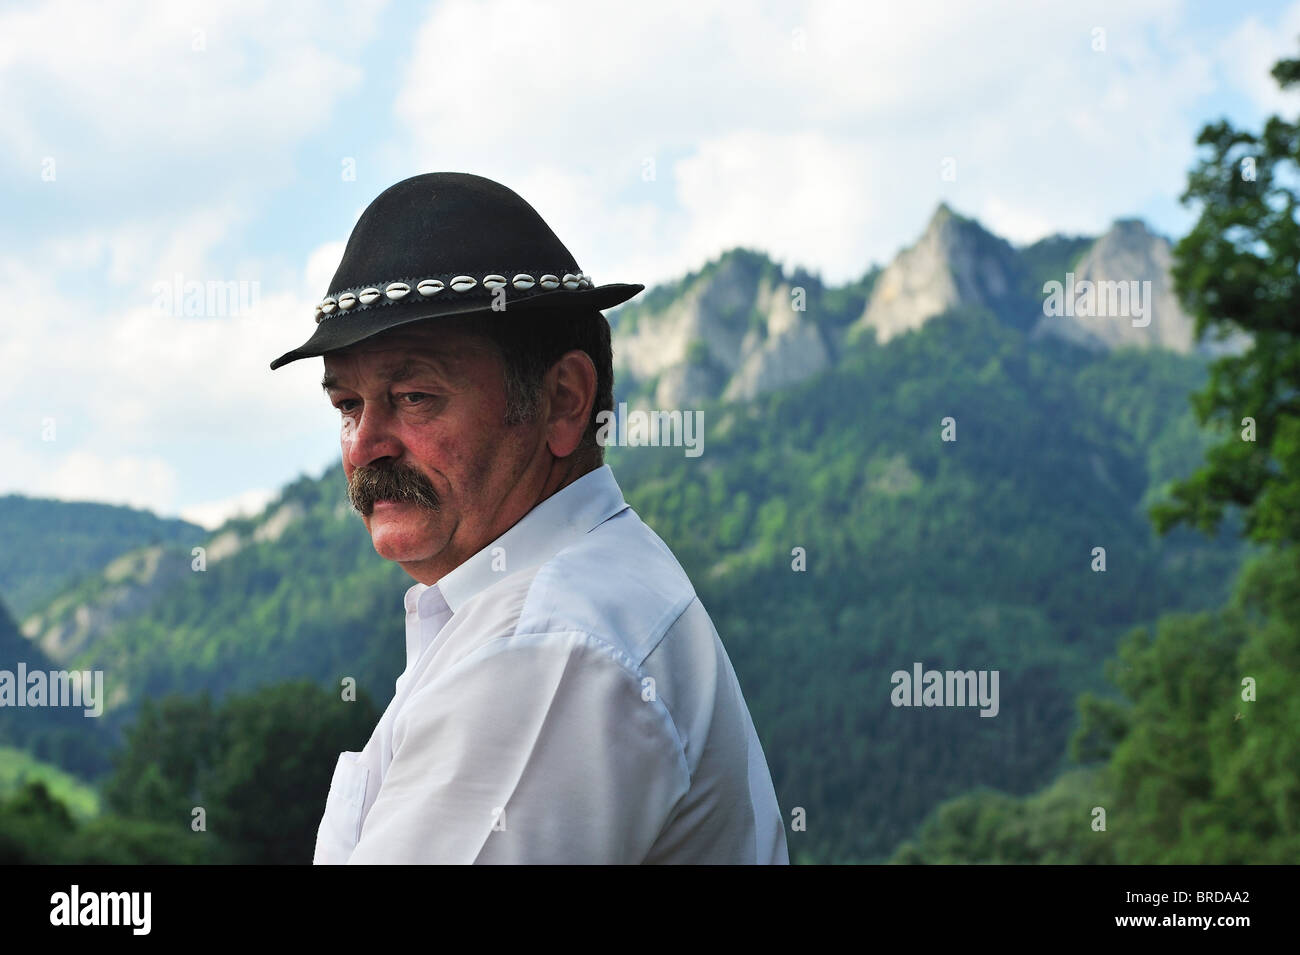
566, 698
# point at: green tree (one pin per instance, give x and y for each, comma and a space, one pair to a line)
33, 826
1201, 759
266, 796
1238, 269
1206, 768
167, 751
36, 828
1053, 827
259, 765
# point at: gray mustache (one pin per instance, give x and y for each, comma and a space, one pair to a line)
397, 482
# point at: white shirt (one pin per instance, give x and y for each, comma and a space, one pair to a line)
566, 699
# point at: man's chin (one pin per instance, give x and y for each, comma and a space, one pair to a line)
402, 532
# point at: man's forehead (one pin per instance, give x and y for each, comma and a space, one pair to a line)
401, 353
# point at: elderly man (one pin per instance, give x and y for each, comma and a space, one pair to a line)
566, 698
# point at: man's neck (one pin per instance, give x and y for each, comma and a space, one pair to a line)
564, 472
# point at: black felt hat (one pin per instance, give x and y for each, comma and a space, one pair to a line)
448, 243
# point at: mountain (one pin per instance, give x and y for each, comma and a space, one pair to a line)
833, 530
297, 588
956, 262
1128, 253
742, 327
61, 735
738, 328
11, 641
129, 584
1113, 292
48, 544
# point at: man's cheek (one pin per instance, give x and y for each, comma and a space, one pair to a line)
448, 455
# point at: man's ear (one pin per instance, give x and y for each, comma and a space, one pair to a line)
570, 385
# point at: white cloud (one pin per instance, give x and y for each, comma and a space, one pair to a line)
134, 390
321, 266
212, 514
51, 469
181, 76
813, 130
799, 192
1013, 221
1247, 56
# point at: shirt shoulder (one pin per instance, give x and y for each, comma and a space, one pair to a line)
619, 583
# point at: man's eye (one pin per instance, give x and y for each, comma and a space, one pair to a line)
413, 397
345, 404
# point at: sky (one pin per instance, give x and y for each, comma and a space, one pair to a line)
148, 146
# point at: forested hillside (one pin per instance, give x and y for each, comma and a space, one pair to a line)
969, 554
47, 544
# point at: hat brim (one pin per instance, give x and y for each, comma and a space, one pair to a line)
342, 330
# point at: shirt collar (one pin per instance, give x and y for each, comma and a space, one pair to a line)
538, 536
424, 601
412, 600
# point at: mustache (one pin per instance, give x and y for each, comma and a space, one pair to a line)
393, 482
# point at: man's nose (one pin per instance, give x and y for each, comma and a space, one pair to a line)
372, 437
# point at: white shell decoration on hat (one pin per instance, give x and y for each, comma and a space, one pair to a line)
396, 291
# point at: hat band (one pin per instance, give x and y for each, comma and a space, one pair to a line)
383, 293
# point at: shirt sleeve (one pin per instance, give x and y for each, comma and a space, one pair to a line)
543, 748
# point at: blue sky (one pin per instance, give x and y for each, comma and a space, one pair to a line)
147, 141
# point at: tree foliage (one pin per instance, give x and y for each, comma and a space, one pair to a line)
1238, 270
1199, 761
258, 766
